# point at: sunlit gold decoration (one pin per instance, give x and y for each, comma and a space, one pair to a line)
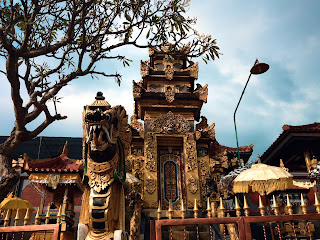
151, 152
169, 123
150, 185
99, 181
53, 180
192, 185
191, 151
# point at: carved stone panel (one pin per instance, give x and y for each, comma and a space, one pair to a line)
151, 152
192, 184
169, 123
191, 152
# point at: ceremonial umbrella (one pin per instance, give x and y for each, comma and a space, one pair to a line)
263, 179
14, 203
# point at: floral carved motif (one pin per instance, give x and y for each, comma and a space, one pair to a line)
144, 68
137, 89
192, 185
191, 152
151, 152
169, 93
169, 123
150, 185
203, 92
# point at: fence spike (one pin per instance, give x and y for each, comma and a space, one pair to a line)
237, 207
26, 217
37, 217
303, 205
47, 216
59, 215
289, 205
316, 202
170, 211
245, 206
183, 210
209, 208
7, 218
195, 209
221, 207
17, 218
261, 206
159, 211
275, 206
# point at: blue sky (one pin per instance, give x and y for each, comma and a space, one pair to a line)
285, 34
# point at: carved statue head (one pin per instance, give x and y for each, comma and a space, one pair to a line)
102, 125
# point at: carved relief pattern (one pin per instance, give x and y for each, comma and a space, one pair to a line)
204, 172
169, 93
150, 185
136, 166
203, 124
151, 152
168, 71
170, 181
134, 123
169, 123
210, 131
203, 92
194, 70
192, 185
191, 152
137, 89
144, 68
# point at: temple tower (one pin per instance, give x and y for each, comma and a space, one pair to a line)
173, 157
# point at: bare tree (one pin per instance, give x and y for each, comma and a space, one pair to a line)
48, 43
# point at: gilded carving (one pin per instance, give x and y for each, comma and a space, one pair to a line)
202, 91
191, 152
137, 89
136, 164
144, 68
203, 124
192, 185
135, 124
169, 93
150, 185
210, 131
194, 70
151, 152
106, 144
168, 71
198, 135
169, 123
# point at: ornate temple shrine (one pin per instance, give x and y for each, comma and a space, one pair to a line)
176, 158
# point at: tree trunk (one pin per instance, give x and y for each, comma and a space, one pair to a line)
9, 176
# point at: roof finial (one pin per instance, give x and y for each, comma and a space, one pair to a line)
100, 96
258, 157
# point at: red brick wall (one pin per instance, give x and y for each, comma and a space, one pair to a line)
30, 194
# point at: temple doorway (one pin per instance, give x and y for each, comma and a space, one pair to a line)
170, 172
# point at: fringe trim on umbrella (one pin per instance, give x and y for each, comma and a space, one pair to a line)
263, 187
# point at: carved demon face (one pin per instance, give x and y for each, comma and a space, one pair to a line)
102, 125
